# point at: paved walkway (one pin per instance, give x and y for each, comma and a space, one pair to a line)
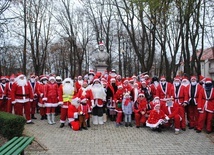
108, 140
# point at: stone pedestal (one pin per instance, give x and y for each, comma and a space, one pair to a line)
101, 68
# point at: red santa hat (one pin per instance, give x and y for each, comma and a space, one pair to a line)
118, 77
162, 78
12, 76
120, 86
134, 76
19, 75
177, 78
126, 81
91, 72
112, 80
75, 125
156, 105
32, 75
193, 77
208, 80
52, 78
141, 94
85, 82
131, 80
79, 77
156, 98
43, 77
96, 80
3, 77
201, 78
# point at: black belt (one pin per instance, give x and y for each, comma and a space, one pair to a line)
22, 94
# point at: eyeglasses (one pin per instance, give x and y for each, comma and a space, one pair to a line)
33, 77
141, 96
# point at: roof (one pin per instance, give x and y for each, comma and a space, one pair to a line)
207, 54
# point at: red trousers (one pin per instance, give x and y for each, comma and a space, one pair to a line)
33, 106
205, 117
193, 115
19, 107
182, 114
176, 120
9, 106
3, 105
42, 111
50, 110
63, 115
139, 118
119, 117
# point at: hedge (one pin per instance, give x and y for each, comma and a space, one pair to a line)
11, 125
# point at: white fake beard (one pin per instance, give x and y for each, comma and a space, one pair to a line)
185, 83
156, 83
84, 91
21, 82
97, 90
68, 89
80, 82
97, 86
113, 74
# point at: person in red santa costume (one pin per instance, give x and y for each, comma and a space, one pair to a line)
51, 99
171, 109
118, 97
22, 96
99, 99
85, 92
73, 113
206, 106
91, 75
140, 110
83, 110
40, 92
3, 97
180, 96
164, 88
34, 84
78, 83
127, 87
193, 90
7, 92
156, 118
66, 92
154, 84
135, 92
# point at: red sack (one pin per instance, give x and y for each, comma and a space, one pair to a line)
75, 125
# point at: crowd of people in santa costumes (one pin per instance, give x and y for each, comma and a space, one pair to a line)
138, 100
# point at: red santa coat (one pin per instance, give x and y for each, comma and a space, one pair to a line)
51, 95
160, 91
83, 109
198, 88
41, 89
78, 85
7, 90
118, 97
72, 113
127, 88
153, 89
21, 94
170, 111
181, 95
140, 107
34, 89
206, 103
1, 91
155, 118
86, 93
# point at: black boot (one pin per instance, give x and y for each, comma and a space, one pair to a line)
43, 117
126, 124
33, 117
88, 123
62, 125
130, 124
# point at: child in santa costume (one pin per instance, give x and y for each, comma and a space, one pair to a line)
83, 110
156, 118
127, 105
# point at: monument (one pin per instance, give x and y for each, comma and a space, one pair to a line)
101, 58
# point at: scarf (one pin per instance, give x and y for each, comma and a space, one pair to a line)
127, 101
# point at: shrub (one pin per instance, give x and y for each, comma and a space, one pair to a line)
11, 125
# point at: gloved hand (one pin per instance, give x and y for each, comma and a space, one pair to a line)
92, 104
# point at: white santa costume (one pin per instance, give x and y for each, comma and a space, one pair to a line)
21, 96
99, 98
66, 92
